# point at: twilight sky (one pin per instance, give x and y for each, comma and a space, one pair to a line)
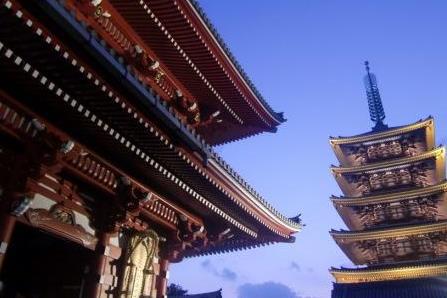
306, 57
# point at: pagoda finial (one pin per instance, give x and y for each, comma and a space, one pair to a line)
376, 111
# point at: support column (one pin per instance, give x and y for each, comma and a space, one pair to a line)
103, 278
7, 224
162, 279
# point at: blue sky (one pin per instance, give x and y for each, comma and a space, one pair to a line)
306, 57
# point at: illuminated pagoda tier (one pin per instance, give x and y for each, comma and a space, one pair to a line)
394, 204
108, 113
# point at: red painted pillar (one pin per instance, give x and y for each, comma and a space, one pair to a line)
97, 287
163, 277
7, 224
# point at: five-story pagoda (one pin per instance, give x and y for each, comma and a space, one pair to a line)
394, 204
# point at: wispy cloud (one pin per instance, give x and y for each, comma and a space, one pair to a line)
228, 274
225, 273
295, 266
206, 264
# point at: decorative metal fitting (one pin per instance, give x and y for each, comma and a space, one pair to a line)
143, 196
20, 206
178, 93
158, 76
138, 49
99, 11
96, 2
226, 231
39, 126
192, 107
147, 198
125, 180
154, 65
106, 14
67, 146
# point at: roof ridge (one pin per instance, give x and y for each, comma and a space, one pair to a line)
221, 162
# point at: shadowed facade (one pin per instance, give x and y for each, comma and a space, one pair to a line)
108, 113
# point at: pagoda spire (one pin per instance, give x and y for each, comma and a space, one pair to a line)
376, 111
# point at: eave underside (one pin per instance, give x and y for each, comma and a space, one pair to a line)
250, 115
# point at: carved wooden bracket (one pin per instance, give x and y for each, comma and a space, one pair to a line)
189, 236
61, 221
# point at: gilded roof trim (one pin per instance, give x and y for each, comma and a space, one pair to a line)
341, 236
397, 196
389, 164
387, 274
388, 133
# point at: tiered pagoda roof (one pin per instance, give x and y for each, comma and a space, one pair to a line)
348, 207
394, 203
415, 171
352, 150
420, 241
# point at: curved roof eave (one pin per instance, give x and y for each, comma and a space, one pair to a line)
214, 34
